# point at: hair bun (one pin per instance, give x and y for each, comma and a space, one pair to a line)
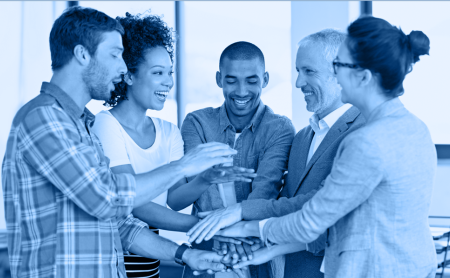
420, 44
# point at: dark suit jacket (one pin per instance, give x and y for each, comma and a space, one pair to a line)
302, 182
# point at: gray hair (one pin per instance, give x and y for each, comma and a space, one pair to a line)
329, 40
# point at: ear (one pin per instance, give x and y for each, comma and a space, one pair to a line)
364, 77
219, 79
128, 78
81, 55
266, 79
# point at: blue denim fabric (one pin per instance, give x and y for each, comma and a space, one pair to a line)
263, 145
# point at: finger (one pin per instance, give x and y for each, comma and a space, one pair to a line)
248, 251
227, 239
195, 231
226, 259
249, 241
224, 248
204, 213
221, 152
240, 250
256, 246
207, 228
214, 229
205, 265
233, 253
218, 251
242, 264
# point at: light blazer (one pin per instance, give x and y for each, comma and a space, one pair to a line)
302, 182
375, 201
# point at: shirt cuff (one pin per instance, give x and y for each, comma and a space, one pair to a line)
129, 228
262, 223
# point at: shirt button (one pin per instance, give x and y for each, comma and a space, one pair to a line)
116, 200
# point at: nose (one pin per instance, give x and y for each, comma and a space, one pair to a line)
168, 81
300, 82
122, 67
241, 91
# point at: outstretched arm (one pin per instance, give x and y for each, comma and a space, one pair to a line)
151, 245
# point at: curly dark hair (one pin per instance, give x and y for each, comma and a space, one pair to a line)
142, 32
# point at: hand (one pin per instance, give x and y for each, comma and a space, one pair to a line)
241, 229
260, 256
205, 156
224, 174
238, 240
199, 260
214, 221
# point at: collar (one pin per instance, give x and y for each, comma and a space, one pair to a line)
66, 102
224, 121
386, 108
329, 120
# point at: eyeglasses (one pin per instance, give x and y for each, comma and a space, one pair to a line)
337, 64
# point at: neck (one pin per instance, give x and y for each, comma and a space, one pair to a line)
70, 83
240, 122
129, 114
330, 109
370, 102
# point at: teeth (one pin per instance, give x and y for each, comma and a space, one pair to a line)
241, 102
162, 93
308, 94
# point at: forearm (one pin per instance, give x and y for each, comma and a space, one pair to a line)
283, 249
262, 209
187, 193
163, 218
152, 184
150, 245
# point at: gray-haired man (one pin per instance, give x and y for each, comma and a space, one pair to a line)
311, 155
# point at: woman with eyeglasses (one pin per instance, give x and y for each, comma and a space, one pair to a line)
375, 202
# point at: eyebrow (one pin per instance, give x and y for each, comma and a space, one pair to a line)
160, 66
248, 77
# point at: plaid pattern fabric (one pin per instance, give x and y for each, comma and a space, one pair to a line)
67, 214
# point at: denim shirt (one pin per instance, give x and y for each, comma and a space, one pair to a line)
263, 145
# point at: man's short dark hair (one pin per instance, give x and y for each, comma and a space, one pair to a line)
241, 51
78, 26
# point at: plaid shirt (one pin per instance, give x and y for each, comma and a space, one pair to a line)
67, 214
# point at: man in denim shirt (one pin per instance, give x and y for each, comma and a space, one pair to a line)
263, 139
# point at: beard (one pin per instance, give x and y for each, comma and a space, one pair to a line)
325, 99
96, 81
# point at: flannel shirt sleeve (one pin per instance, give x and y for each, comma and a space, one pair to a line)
51, 143
129, 227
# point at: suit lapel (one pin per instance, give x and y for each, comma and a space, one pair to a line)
298, 158
340, 127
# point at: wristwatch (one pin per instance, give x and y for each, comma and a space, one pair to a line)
180, 252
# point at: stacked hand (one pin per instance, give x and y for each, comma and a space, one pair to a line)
223, 174
213, 222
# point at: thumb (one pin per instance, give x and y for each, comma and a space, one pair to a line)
204, 214
216, 267
242, 264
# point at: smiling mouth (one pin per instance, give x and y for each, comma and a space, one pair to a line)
241, 102
162, 95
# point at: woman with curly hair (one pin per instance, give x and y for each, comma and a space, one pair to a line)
136, 143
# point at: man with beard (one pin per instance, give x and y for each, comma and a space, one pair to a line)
67, 214
310, 159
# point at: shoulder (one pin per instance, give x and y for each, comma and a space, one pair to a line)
104, 119
167, 128
280, 122
205, 113
41, 105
